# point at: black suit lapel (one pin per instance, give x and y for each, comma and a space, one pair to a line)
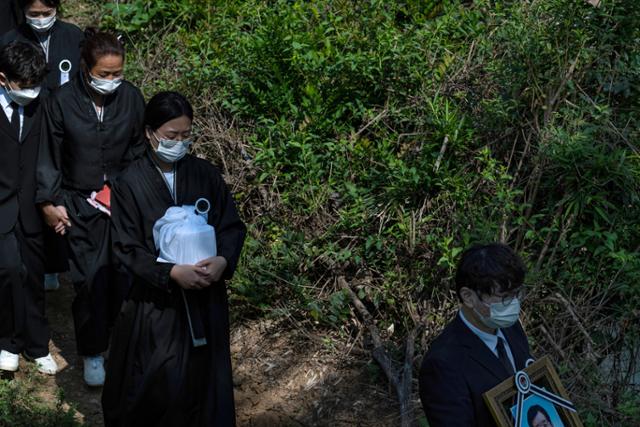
518, 348
479, 351
29, 113
5, 126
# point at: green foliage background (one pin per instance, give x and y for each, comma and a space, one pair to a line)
376, 139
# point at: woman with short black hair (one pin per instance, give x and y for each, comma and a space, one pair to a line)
95, 131
60, 41
158, 373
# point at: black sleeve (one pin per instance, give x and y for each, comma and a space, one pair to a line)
230, 230
5, 36
10, 18
444, 395
50, 155
137, 143
129, 242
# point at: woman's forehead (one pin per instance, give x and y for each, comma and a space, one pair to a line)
179, 124
38, 6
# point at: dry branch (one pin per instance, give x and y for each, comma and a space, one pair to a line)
400, 379
591, 353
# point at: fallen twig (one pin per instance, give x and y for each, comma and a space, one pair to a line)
400, 379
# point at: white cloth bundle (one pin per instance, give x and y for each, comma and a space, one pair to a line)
183, 236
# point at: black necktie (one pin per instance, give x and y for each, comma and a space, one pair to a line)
15, 119
502, 355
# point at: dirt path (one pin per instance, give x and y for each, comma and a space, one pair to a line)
289, 377
283, 376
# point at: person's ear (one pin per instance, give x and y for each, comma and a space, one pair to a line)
3, 80
148, 132
467, 296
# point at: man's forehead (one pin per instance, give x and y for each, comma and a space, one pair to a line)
497, 290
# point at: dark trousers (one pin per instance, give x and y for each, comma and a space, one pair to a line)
99, 285
56, 253
23, 325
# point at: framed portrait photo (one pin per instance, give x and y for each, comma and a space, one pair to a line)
534, 397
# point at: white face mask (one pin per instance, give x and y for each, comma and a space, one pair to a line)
104, 86
42, 25
22, 97
171, 151
500, 315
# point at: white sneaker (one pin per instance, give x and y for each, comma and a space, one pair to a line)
47, 365
8, 361
94, 371
51, 282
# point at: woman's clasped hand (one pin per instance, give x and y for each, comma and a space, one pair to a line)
201, 275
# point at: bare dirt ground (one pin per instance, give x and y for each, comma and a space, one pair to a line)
287, 377
284, 375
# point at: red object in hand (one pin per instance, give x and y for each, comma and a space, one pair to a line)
104, 196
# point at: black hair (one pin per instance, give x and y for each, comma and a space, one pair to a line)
490, 268
165, 106
23, 4
534, 410
23, 62
98, 44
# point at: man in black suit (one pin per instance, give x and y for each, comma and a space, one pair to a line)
9, 16
485, 343
23, 325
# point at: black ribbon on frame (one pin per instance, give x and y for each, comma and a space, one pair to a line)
526, 387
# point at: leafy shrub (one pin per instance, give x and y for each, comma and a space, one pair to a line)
383, 137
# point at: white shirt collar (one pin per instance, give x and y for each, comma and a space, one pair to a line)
490, 340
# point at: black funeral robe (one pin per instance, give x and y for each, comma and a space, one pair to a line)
154, 375
10, 15
83, 151
23, 324
63, 48
82, 154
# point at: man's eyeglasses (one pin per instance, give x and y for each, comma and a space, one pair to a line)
508, 297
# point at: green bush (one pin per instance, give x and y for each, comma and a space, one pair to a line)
386, 136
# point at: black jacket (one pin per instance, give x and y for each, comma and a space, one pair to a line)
10, 16
458, 369
81, 151
18, 170
64, 43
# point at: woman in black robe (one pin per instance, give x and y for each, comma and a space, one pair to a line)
95, 129
156, 374
60, 42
